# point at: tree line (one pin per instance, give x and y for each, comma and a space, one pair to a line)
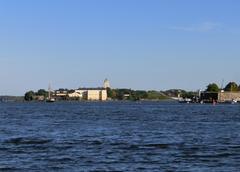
129, 94
231, 86
114, 94
31, 95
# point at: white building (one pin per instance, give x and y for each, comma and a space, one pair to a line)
77, 94
74, 95
92, 94
96, 94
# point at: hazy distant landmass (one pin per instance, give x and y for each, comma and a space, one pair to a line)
11, 98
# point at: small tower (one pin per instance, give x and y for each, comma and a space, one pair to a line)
106, 84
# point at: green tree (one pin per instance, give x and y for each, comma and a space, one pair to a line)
29, 96
111, 93
42, 92
121, 93
189, 94
139, 94
71, 91
212, 88
231, 86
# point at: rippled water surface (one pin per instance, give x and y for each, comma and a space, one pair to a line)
119, 136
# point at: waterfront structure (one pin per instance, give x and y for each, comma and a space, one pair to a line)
221, 96
79, 93
61, 93
96, 94
74, 95
228, 96
91, 94
103, 95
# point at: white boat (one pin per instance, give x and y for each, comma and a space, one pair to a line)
50, 99
234, 101
186, 100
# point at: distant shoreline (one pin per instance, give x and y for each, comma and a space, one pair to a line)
20, 99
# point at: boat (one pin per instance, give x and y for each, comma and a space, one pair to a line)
50, 99
186, 100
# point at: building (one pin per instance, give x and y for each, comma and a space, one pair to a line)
228, 96
221, 96
77, 94
209, 97
103, 95
74, 95
96, 94
61, 93
92, 94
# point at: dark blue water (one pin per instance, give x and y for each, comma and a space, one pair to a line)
119, 137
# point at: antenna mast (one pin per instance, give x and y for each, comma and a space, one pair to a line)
49, 91
222, 84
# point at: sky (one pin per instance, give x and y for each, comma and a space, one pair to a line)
138, 44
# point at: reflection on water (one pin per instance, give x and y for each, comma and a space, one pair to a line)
119, 136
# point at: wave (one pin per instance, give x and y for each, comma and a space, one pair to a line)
27, 140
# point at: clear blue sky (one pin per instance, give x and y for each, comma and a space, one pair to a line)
139, 44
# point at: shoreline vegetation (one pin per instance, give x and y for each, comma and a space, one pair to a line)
124, 94
112, 95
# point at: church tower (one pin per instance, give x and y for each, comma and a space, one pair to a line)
106, 84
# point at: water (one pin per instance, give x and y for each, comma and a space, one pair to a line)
119, 136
